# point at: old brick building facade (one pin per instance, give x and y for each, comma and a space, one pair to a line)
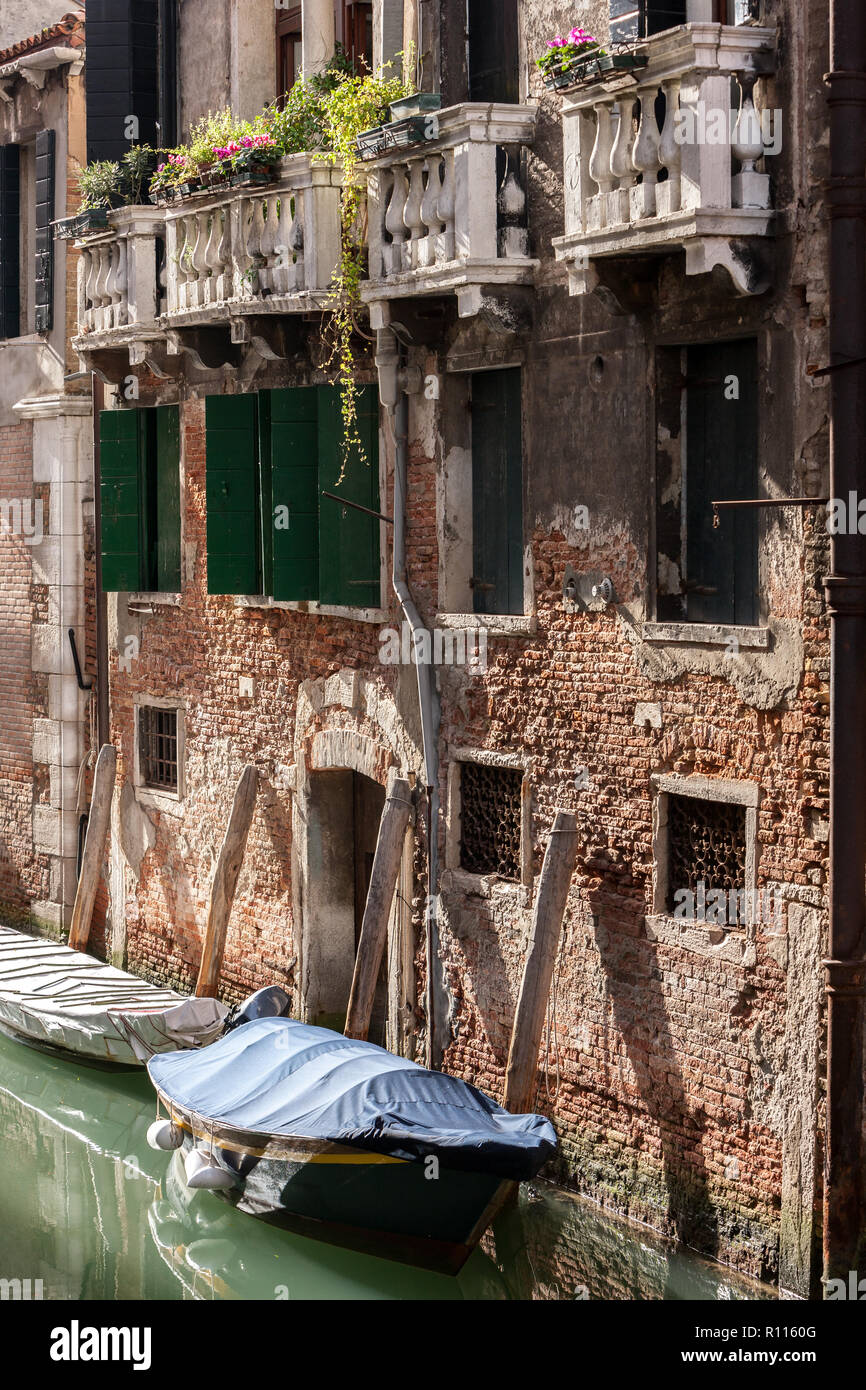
592, 360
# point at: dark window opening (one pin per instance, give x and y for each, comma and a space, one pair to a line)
490, 819
707, 422
357, 34
289, 49
10, 242
157, 747
493, 51
706, 850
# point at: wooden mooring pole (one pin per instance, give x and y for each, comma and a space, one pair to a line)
94, 846
374, 928
225, 882
556, 871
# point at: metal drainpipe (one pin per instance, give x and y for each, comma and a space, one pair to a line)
395, 399
845, 588
102, 720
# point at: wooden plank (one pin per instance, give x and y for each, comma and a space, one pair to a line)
225, 882
374, 928
553, 886
94, 846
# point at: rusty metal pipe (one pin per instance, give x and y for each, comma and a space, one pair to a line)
845, 587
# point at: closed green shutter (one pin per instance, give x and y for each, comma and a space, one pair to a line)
167, 499
293, 513
120, 466
721, 580
44, 271
232, 495
10, 255
349, 539
497, 492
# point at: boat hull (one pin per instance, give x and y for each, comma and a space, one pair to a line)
415, 1211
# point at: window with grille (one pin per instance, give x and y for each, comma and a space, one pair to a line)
157, 748
490, 819
706, 846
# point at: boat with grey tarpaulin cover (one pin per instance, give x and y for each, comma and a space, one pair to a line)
65, 1002
337, 1138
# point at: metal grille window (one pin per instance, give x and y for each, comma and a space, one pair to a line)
490, 819
157, 747
706, 845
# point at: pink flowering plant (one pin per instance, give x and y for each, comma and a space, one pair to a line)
563, 49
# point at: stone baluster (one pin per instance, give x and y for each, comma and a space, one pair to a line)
430, 210
184, 267
394, 224
267, 243
412, 213
161, 258
599, 167
91, 269
281, 272
749, 189
224, 275
512, 236
445, 245
295, 263
212, 260
121, 297
645, 156
111, 294
172, 264
100, 295
200, 290
669, 192
621, 164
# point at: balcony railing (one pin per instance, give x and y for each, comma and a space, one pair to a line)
119, 291
665, 158
240, 251
449, 215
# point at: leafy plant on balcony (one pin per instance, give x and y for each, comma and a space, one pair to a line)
353, 104
100, 185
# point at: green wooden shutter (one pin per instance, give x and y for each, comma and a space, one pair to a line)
293, 515
349, 539
493, 50
497, 492
44, 270
120, 467
10, 255
721, 580
232, 495
167, 500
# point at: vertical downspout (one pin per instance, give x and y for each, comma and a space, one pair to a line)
396, 402
102, 723
845, 587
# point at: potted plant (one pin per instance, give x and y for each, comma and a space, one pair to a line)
101, 188
569, 58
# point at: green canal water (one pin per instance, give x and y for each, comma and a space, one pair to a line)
89, 1209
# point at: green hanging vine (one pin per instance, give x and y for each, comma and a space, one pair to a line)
353, 105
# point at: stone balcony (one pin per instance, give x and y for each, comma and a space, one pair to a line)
224, 265
663, 158
120, 295
448, 216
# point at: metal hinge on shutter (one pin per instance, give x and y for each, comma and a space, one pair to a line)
44, 267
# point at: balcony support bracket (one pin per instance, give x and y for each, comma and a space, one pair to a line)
211, 349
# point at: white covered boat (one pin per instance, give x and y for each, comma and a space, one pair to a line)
67, 1002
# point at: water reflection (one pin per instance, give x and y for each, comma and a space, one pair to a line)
89, 1209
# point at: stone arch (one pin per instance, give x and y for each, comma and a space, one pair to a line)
346, 724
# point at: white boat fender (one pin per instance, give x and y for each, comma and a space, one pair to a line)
202, 1170
164, 1134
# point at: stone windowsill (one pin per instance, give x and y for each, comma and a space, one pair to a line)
732, 944
161, 600
495, 624
482, 885
164, 802
319, 610
707, 634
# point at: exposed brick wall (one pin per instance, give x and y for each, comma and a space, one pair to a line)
23, 876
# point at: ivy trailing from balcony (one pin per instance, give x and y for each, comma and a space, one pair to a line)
352, 105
